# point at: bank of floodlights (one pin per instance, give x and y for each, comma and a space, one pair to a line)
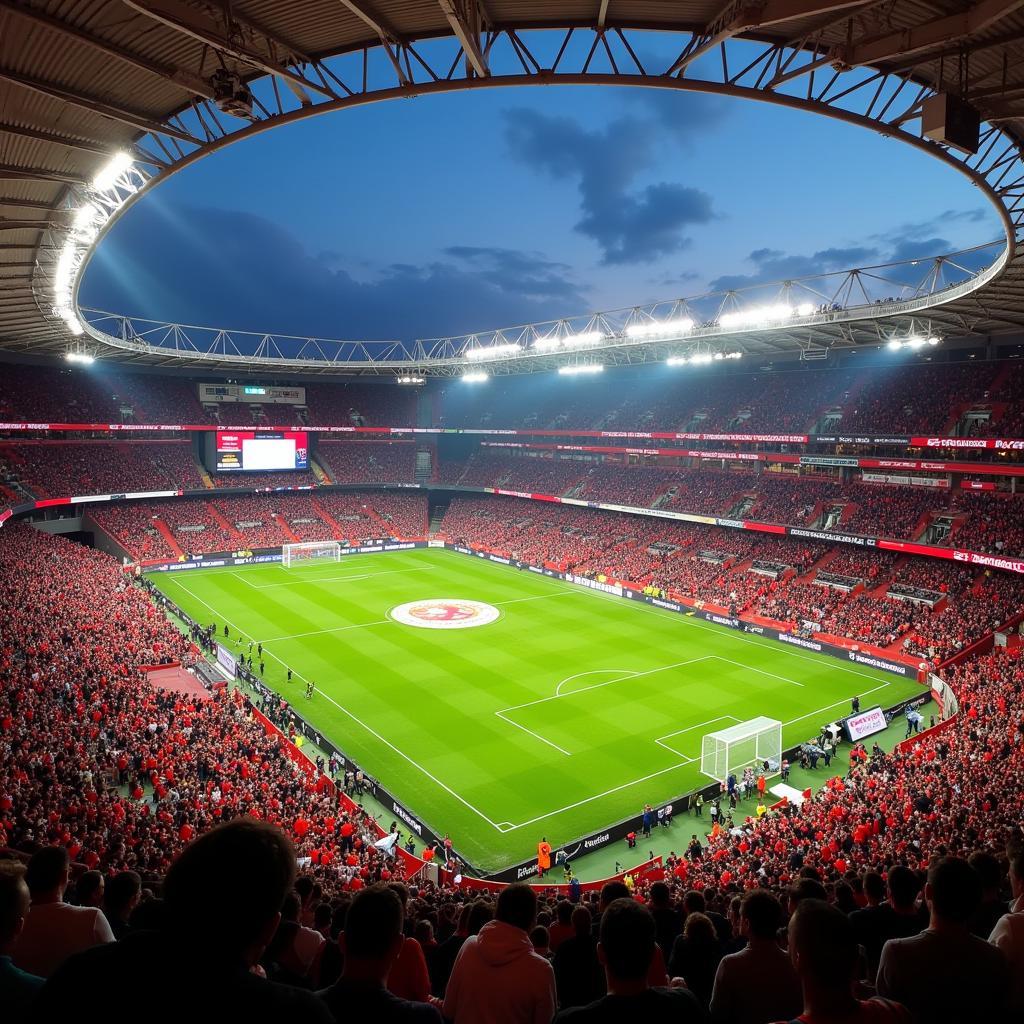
582, 339
762, 316
477, 355
914, 342
580, 369
702, 358
110, 188
660, 329
475, 378
410, 380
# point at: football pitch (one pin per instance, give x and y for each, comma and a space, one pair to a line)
550, 710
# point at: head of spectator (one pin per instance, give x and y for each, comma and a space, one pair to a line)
14, 903
626, 946
903, 885
612, 891
824, 952
694, 902
660, 895
121, 897
479, 914
224, 892
1017, 873
541, 939
373, 936
47, 874
805, 889
760, 916
874, 888
582, 922
517, 906
89, 889
952, 892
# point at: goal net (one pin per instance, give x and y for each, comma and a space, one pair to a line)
749, 743
319, 550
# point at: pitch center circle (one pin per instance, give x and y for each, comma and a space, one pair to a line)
444, 613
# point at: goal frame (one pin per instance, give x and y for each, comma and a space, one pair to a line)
329, 549
745, 744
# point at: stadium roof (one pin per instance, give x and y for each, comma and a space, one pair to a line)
81, 80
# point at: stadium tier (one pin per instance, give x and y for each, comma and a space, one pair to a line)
967, 399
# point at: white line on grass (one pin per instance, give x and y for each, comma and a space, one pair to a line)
866, 693
378, 622
336, 579
760, 671
607, 682
690, 728
359, 722
625, 673
535, 735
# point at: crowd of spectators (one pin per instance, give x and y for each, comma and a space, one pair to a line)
890, 511
995, 524
60, 468
370, 462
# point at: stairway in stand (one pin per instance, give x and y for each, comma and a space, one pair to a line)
292, 536
337, 531
165, 531
228, 527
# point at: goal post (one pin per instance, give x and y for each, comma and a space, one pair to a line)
749, 743
310, 551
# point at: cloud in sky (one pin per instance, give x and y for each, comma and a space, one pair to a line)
630, 223
242, 271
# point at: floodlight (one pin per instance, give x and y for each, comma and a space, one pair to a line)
107, 176
580, 368
895, 345
660, 328
915, 341
409, 380
548, 344
583, 338
491, 352
934, 341
676, 361
475, 378
805, 309
79, 357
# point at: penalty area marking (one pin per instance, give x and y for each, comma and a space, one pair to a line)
690, 728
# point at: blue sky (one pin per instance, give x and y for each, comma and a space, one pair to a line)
445, 214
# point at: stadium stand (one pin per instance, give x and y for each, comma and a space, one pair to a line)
368, 462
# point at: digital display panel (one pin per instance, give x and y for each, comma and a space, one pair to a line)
254, 451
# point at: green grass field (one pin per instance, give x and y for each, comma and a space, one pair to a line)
564, 715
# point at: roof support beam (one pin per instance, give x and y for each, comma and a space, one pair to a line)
938, 32
193, 83
193, 23
83, 145
137, 121
741, 16
9, 173
464, 18
390, 39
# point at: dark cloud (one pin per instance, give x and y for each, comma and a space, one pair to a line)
242, 271
631, 224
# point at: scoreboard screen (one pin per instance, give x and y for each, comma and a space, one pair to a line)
255, 451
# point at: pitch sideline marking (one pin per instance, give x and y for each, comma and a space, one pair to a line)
359, 722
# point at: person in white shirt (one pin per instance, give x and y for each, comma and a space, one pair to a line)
54, 930
1008, 934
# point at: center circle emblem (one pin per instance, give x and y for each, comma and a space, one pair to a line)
444, 613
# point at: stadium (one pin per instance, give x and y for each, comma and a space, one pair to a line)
660, 659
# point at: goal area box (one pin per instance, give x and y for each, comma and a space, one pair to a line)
746, 744
310, 551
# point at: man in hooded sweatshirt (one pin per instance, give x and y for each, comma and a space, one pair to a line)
498, 978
